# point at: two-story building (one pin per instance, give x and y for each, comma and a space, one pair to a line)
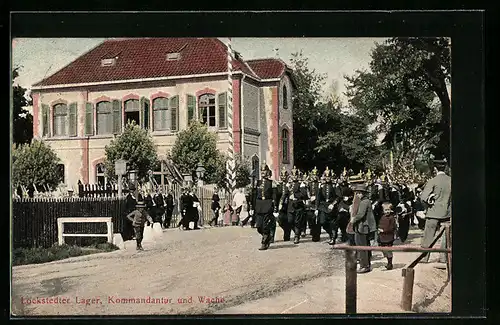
162, 84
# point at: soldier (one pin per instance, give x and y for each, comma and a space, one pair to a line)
305, 182
130, 204
186, 207
297, 195
160, 205
264, 206
282, 206
325, 202
312, 188
346, 198
170, 203
194, 214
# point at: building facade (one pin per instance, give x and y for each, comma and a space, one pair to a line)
162, 84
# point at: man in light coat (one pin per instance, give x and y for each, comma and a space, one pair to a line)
363, 224
437, 194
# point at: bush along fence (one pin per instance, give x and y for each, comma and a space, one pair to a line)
34, 221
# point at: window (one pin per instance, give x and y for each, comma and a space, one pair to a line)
59, 122
132, 111
285, 98
104, 118
191, 108
60, 172
173, 56
45, 120
160, 113
108, 62
222, 110
89, 119
285, 145
174, 109
100, 174
206, 106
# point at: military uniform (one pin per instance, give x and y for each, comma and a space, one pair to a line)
283, 204
310, 218
186, 209
264, 206
325, 202
297, 195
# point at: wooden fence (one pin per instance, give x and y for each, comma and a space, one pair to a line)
34, 221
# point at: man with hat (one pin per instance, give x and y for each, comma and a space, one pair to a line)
139, 217
325, 203
283, 204
297, 195
363, 224
437, 194
264, 206
312, 188
186, 205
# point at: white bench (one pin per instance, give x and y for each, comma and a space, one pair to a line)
62, 221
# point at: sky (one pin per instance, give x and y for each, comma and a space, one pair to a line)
335, 57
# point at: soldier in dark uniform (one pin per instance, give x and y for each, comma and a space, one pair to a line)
312, 187
325, 203
297, 195
280, 197
160, 205
305, 183
194, 214
130, 204
170, 203
347, 196
264, 206
186, 206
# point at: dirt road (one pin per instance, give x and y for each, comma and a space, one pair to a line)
209, 271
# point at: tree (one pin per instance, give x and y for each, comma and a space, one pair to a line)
243, 172
37, 164
22, 120
196, 145
407, 78
135, 146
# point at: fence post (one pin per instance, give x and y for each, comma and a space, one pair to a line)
350, 282
60, 229
406, 300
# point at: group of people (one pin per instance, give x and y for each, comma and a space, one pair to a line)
361, 208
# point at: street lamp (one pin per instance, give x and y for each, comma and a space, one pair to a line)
132, 176
200, 171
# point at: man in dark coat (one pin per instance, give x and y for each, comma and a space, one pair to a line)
215, 207
151, 207
160, 206
130, 205
186, 208
297, 195
345, 202
282, 205
194, 214
437, 194
325, 203
312, 187
264, 206
169, 208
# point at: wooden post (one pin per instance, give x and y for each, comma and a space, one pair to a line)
110, 231
448, 245
60, 230
350, 282
406, 300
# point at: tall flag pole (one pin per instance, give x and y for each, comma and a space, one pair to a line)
230, 167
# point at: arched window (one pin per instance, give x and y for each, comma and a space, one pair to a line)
100, 174
104, 118
285, 97
132, 111
206, 105
160, 114
60, 172
285, 146
60, 118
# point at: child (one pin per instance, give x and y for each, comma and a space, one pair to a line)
228, 212
138, 218
387, 230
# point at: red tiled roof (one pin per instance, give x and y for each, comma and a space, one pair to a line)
141, 58
268, 68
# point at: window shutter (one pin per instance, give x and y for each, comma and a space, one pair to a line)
72, 120
145, 113
222, 110
174, 110
191, 106
89, 119
45, 120
117, 116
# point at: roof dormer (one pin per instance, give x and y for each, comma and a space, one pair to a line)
173, 56
108, 62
